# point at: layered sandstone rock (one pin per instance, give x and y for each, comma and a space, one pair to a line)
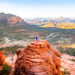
38, 58
2, 60
14, 20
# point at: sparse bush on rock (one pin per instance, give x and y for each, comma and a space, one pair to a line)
6, 69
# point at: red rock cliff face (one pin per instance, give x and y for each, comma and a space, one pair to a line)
14, 20
38, 58
2, 59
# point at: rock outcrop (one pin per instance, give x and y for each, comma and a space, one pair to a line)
11, 20
2, 16
2, 60
38, 58
14, 20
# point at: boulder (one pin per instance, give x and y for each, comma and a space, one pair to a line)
38, 58
2, 60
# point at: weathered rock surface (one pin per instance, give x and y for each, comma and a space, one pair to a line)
2, 60
14, 20
11, 20
38, 58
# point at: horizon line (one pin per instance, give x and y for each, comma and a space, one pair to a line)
36, 16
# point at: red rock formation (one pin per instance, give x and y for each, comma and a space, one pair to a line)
14, 20
2, 59
38, 58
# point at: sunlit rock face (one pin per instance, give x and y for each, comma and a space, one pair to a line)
38, 58
2, 60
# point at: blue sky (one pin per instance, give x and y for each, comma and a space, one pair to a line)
39, 8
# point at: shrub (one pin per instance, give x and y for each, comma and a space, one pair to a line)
6, 69
10, 50
60, 49
65, 72
71, 51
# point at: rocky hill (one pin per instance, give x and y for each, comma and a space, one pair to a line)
11, 20
38, 58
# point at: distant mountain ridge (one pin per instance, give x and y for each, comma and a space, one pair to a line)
15, 27
11, 20
61, 22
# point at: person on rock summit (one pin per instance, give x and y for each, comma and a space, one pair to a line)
38, 58
36, 37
